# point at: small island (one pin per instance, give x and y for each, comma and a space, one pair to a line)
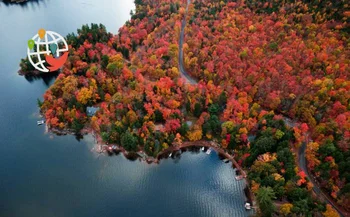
266, 84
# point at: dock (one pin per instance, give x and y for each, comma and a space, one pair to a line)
208, 151
41, 122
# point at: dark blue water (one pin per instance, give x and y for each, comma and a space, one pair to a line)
47, 175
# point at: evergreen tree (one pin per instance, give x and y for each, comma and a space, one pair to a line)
264, 198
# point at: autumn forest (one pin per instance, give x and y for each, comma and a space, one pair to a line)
269, 81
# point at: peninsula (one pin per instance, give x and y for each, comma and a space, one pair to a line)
267, 81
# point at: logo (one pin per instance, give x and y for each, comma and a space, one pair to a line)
47, 51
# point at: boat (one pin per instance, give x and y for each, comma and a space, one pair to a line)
202, 149
238, 178
247, 206
226, 160
208, 151
109, 150
40, 122
171, 154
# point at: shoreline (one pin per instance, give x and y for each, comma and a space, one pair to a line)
143, 157
200, 143
101, 147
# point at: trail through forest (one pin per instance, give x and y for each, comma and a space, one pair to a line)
184, 74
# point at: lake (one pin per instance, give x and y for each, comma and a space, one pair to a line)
47, 175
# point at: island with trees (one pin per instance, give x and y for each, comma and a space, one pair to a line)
269, 84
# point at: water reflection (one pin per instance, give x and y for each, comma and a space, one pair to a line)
79, 137
25, 4
47, 78
132, 156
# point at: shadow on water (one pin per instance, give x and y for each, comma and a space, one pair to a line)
24, 5
177, 157
132, 156
46, 77
78, 137
116, 152
194, 149
221, 156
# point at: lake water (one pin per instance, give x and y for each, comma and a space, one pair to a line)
54, 176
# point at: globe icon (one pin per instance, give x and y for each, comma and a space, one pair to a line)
41, 48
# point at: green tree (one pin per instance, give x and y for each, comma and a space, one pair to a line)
172, 8
264, 198
222, 99
213, 109
197, 110
183, 129
215, 124
77, 126
105, 136
138, 2
39, 102
104, 61
128, 141
158, 116
265, 144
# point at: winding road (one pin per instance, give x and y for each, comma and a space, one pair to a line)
184, 74
302, 163
301, 152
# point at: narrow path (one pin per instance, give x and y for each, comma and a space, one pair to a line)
302, 163
318, 191
184, 74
